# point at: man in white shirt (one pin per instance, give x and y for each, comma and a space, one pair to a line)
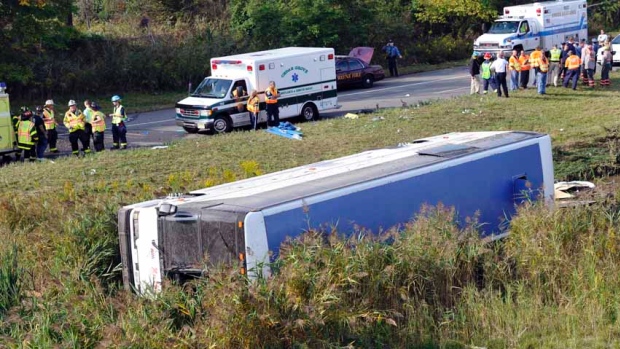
603, 37
500, 67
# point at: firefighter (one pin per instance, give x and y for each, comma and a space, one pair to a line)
572, 69
50, 125
607, 63
39, 125
26, 136
271, 99
98, 123
119, 130
88, 118
74, 121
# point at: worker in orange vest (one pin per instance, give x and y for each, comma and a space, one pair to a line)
573, 62
515, 69
535, 58
524, 60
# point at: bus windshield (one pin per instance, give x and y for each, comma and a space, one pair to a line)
212, 88
504, 27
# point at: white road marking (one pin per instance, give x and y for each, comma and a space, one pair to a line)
405, 85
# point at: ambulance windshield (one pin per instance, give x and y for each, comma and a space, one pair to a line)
212, 88
504, 27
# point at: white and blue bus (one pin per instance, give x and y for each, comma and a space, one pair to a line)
245, 222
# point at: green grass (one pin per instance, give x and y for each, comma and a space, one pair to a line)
553, 284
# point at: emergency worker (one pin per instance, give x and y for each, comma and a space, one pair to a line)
50, 125
254, 108
554, 64
543, 69
524, 60
515, 68
271, 99
607, 62
589, 63
74, 122
119, 130
39, 125
26, 136
572, 70
88, 119
535, 62
485, 73
98, 123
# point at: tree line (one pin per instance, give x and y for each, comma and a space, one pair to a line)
77, 47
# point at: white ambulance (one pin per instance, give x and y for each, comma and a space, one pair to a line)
543, 24
304, 76
8, 144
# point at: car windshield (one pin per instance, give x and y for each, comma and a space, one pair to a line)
212, 88
504, 27
616, 40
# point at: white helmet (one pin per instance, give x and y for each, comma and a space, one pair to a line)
71, 102
49, 102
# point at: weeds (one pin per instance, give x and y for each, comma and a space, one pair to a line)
11, 275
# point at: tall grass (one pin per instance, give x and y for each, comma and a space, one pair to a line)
11, 276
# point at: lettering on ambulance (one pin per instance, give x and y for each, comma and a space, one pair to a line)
295, 77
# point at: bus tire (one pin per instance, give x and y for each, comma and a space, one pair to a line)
309, 112
222, 124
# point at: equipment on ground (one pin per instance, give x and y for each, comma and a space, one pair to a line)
242, 224
304, 76
544, 24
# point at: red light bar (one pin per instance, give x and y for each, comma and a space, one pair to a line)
506, 12
214, 66
330, 56
218, 61
250, 68
538, 11
261, 67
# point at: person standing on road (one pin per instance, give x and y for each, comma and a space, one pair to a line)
474, 71
50, 125
119, 130
271, 99
98, 123
26, 136
572, 70
515, 69
254, 109
524, 60
500, 67
74, 122
88, 118
39, 125
543, 69
392, 53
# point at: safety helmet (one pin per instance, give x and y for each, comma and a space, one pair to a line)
71, 102
487, 55
49, 102
38, 108
94, 105
116, 98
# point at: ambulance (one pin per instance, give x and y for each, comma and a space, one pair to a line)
543, 24
304, 76
8, 144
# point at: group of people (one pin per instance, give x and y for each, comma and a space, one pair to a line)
565, 66
36, 131
253, 104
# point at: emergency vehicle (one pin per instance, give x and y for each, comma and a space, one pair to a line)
242, 224
7, 132
543, 24
305, 78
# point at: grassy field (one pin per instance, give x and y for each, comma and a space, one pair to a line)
553, 284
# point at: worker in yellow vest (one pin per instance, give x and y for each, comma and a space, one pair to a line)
254, 109
98, 123
554, 64
119, 130
535, 62
27, 136
573, 63
74, 121
543, 69
50, 125
515, 68
271, 99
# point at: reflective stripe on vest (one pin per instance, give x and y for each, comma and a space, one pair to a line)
270, 93
76, 122
514, 63
253, 104
535, 58
556, 53
48, 119
544, 66
486, 70
98, 121
117, 118
573, 62
25, 131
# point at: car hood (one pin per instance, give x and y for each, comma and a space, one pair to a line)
363, 53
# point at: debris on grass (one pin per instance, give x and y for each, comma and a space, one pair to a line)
351, 116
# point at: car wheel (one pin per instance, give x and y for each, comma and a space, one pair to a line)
368, 81
309, 112
190, 129
222, 124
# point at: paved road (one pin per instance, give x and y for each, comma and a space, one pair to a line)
153, 128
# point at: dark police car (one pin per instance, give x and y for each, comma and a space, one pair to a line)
352, 70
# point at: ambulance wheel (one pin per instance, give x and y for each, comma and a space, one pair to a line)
368, 81
222, 124
309, 112
190, 129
